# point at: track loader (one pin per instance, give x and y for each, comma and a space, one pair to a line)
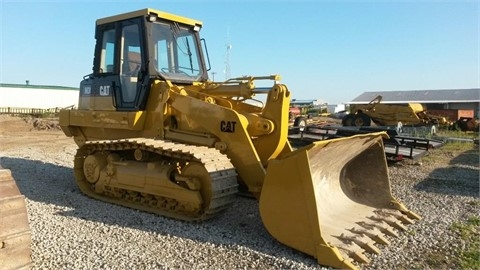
155, 134
15, 235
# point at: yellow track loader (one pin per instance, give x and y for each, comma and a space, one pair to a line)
155, 134
15, 235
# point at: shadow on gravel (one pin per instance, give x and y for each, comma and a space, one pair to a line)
469, 158
461, 177
55, 185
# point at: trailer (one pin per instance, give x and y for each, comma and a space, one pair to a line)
397, 146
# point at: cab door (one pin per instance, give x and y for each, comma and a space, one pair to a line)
131, 66
119, 80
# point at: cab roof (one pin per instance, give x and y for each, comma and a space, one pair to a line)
149, 11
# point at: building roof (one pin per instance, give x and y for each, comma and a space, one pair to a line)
421, 96
52, 87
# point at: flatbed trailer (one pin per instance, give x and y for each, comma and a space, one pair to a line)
397, 147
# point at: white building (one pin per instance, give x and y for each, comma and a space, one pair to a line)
37, 96
335, 108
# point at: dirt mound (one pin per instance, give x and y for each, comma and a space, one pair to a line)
45, 124
13, 124
27, 123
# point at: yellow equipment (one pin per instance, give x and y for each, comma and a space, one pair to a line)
389, 114
156, 135
15, 236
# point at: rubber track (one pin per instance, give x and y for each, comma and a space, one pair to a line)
222, 172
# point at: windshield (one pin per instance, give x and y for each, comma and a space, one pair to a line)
176, 55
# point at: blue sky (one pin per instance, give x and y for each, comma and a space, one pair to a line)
327, 50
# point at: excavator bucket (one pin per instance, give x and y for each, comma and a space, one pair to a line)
332, 200
15, 236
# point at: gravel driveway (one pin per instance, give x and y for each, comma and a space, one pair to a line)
71, 231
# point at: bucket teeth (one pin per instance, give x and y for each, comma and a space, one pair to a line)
362, 241
370, 247
372, 233
388, 230
353, 251
359, 257
396, 224
363, 237
382, 226
405, 219
389, 212
367, 244
389, 219
380, 239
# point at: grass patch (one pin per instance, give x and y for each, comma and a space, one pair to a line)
474, 203
469, 231
436, 260
448, 151
474, 221
459, 146
457, 134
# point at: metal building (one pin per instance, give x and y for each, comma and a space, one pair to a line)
37, 96
448, 99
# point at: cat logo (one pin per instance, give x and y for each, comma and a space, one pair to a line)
104, 90
227, 126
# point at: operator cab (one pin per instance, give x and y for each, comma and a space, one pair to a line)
135, 48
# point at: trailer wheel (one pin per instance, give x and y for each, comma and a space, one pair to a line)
299, 124
361, 120
347, 120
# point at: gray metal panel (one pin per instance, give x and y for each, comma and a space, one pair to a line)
422, 96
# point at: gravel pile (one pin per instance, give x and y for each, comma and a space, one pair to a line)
71, 231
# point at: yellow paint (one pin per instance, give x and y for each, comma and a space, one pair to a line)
148, 11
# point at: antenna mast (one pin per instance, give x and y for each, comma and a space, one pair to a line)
227, 57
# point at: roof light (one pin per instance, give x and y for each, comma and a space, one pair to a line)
152, 17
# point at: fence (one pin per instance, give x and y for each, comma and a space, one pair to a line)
31, 111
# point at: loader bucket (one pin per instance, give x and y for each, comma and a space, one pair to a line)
332, 200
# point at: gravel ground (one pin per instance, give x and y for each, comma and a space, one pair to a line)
71, 231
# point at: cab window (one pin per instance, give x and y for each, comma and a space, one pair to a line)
107, 62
